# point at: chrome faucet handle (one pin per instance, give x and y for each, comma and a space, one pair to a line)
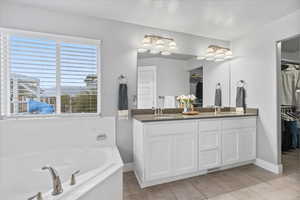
57, 186
38, 196
73, 178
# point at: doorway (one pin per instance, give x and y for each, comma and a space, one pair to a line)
288, 59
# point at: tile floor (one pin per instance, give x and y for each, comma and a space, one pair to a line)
243, 183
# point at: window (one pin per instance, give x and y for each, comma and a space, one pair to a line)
43, 74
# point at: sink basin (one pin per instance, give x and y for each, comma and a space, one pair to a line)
167, 116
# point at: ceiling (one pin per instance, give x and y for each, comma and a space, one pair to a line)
222, 19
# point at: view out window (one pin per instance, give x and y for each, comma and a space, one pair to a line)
48, 76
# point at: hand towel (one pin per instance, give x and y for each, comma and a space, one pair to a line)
240, 97
123, 101
218, 97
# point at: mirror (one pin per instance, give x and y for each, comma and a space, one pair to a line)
162, 78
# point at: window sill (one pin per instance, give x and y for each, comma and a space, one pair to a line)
54, 116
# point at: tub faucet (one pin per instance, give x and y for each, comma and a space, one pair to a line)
57, 187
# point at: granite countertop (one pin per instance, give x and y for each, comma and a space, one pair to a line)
201, 115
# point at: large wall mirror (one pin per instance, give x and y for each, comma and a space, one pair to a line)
161, 79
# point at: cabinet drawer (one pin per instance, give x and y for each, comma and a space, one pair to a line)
247, 122
209, 140
209, 125
170, 128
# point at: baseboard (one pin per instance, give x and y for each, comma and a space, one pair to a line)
128, 167
277, 169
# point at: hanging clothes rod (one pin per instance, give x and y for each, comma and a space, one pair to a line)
286, 61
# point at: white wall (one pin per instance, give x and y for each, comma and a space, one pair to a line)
215, 73
256, 64
172, 77
120, 41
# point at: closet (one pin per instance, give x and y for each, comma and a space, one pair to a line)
290, 95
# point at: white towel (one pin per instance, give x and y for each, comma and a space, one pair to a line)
169, 102
122, 114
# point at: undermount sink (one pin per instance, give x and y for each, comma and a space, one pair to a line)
166, 116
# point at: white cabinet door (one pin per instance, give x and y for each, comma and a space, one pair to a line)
209, 149
185, 153
158, 157
230, 146
247, 144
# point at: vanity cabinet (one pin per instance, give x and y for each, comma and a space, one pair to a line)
170, 150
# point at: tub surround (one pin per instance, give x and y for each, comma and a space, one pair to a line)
169, 147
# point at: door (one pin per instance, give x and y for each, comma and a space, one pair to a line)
146, 94
209, 149
230, 146
247, 144
158, 157
185, 153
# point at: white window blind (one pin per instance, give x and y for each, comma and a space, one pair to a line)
78, 78
32, 74
48, 75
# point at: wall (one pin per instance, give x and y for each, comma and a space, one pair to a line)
172, 76
221, 74
255, 63
120, 41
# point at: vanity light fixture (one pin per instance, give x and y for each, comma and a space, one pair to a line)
155, 44
216, 53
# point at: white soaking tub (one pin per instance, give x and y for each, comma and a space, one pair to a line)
99, 163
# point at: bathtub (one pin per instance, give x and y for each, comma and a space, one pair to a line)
100, 168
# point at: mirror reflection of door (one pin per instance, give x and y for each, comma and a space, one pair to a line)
196, 85
146, 98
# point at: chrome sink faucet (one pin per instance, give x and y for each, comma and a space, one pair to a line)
57, 186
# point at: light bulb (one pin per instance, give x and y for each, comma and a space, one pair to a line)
220, 55
172, 45
210, 50
165, 53
210, 55
146, 42
228, 57
220, 51
159, 44
154, 51
201, 57
219, 60
142, 50
228, 53
210, 58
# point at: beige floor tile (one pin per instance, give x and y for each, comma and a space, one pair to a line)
208, 186
242, 183
286, 182
246, 194
160, 192
184, 190
283, 194
223, 197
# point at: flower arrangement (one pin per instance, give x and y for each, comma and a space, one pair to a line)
186, 101
186, 98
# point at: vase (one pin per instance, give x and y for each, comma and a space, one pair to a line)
187, 107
